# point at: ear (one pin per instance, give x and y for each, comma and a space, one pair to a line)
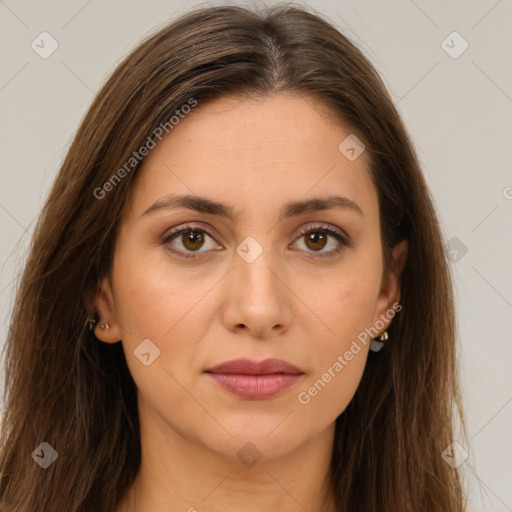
390, 288
103, 303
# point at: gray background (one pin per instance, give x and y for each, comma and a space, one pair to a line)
457, 111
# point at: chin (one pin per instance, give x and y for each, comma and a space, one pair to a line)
270, 434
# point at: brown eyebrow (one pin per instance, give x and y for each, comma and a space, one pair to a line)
290, 209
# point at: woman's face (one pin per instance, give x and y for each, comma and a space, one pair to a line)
263, 278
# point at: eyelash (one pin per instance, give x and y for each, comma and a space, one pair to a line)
324, 228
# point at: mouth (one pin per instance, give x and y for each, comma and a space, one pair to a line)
255, 380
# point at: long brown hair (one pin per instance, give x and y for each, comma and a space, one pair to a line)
65, 388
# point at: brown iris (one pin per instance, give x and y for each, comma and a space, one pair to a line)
192, 240
316, 238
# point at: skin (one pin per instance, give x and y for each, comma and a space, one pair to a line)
255, 155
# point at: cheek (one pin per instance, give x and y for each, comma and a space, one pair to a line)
340, 359
154, 297
347, 305
348, 301
161, 303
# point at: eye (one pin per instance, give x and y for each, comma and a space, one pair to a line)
192, 239
316, 238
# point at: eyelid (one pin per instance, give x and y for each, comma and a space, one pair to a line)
187, 226
323, 227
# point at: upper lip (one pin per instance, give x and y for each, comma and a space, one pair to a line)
251, 367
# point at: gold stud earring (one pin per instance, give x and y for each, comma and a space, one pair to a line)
105, 326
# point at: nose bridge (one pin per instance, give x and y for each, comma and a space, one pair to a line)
253, 268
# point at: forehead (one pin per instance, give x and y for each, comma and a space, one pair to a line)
250, 151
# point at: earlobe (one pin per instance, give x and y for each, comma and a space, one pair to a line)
107, 328
107, 333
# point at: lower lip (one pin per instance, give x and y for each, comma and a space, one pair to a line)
255, 387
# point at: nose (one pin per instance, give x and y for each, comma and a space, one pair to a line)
258, 299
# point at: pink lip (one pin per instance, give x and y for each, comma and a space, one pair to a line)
256, 380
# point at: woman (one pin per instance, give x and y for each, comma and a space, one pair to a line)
236, 296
